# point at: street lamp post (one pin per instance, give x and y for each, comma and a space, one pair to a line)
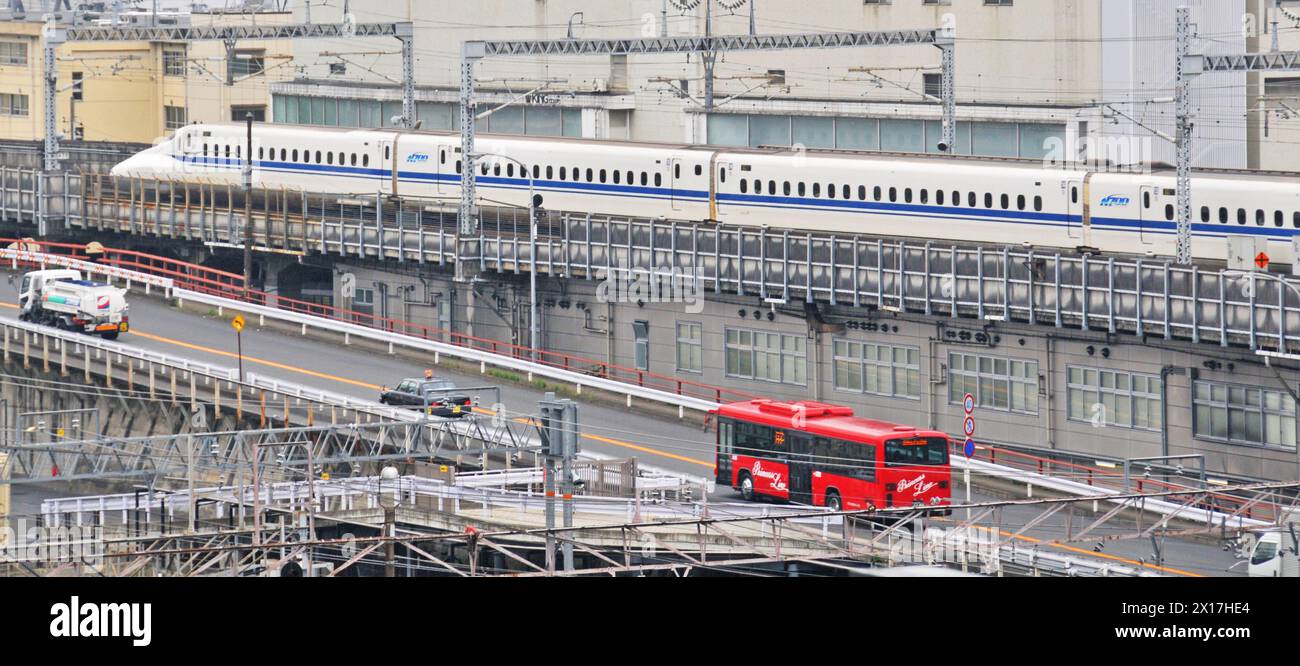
534, 202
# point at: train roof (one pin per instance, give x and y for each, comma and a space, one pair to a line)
1155, 169
820, 418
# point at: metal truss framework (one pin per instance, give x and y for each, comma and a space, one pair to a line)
853, 541
281, 453
474, 51
55, 36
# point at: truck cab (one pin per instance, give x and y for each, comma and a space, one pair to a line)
35, 280
1269, 559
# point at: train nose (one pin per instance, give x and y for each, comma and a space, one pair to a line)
133, 166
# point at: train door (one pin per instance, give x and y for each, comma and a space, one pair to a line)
800, 468
1150, 213
388, 163
1074, 208
674, 183
724, 181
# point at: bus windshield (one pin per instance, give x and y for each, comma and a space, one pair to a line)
921, 451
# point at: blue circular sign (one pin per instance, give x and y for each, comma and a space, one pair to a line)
970, 448
969, 403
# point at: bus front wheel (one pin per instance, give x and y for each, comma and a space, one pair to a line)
747, 487
833, 500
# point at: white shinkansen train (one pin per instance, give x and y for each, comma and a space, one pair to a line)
982, 200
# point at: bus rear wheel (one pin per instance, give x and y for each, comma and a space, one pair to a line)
833, 501
747, 487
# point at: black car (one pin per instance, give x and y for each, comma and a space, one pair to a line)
439, 396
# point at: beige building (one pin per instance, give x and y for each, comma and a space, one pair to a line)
1030, 75
136, 92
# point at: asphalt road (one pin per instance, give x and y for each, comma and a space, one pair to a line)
661, 442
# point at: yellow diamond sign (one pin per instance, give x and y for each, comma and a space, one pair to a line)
237, 323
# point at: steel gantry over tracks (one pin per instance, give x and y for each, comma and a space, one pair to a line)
474, 51
56, 36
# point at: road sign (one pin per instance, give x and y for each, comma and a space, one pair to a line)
237, 323
969, 426
1262, 260
969, 403
970, 448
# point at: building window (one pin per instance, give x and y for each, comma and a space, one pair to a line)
769, 357
245, 63
999, 384
641, 335
240, 113
690, 347
1120, 399
13, 105
174, 61
1243, 415
13, 53
863, 367
175, 117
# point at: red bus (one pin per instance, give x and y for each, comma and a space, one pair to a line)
822, 455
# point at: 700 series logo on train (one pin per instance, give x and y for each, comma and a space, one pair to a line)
416, 158
1114, 200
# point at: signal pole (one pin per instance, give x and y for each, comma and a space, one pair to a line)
248, 206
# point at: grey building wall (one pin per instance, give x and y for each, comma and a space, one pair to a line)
576, 321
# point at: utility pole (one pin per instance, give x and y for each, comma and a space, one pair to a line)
559, 435
248, 206
710, 58
1187, 67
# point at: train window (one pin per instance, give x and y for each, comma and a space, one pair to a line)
907, 195
205, 150
537, 171
603, 175
1205, 214
550, 173
722, 174
758, 186
1169, 212
618, 178
830, 190
1074, 195
925, 196
1020, 202
817, 190
367, 158
442, 156
1278, 219
354, 159
699, 170
261, 153
1259, 218
295, 154
803, 189
483, 168
564, 173
1223, 215
496, 169
1146, 199
645, 179
847, 192
677, 170
388, 152
938, 196
771, 187
591, 176
744, 186
510, 170
956, 198
1038, 204
365, 161
318, 157
786, 188
659, 180
988, 200
862, 193
1241, 216
227, 150
893, 194
1006, 202
1295, 220
971, 199
329, 157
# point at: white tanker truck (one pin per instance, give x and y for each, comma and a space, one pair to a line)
63, 299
